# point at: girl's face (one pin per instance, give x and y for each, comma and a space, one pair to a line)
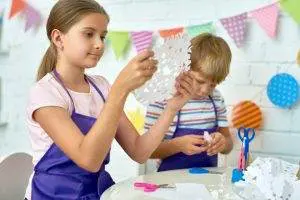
203, 85
83, 44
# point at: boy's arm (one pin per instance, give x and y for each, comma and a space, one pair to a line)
188, 144
166, 148
228, 140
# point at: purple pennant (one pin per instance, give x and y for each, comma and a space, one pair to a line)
32, 16
235, 27
142, 40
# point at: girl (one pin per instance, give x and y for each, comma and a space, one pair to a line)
73, 118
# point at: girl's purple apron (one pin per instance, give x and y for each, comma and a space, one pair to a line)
58, 177
183, 161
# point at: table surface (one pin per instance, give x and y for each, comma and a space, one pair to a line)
219, 185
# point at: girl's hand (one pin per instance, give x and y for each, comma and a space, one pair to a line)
139, 70
218, 144
184, 91
191, 144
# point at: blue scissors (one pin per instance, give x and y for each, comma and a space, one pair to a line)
246, 135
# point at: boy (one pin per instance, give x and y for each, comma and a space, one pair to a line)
184, 145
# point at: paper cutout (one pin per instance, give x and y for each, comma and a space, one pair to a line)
120, 42
165, 33
274, 178
292, 7
142, 40
246, 114
16, 7
283, 90
198, 29
173, 57
33, 17
235, 27
267, 18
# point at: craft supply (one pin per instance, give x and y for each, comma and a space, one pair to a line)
207, 137
197, 170
150, 187
173, 56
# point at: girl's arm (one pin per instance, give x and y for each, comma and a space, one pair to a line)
90, 150
140, 147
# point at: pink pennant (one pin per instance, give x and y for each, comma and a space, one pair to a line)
267, 18
32, 16
142, 40
235, 27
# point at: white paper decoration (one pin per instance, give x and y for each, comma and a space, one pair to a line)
173, 55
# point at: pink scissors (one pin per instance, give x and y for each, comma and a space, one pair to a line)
150, 187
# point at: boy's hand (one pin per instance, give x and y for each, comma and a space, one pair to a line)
218, 144
191, 144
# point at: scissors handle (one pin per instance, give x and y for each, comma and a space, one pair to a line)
147, 187
246, 133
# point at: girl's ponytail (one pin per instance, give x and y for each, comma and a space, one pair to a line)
48, 62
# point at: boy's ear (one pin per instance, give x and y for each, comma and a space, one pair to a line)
56, 38
298, 57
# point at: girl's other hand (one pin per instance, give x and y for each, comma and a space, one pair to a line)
184, 91
139, 70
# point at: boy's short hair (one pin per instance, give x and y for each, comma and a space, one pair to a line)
211, 55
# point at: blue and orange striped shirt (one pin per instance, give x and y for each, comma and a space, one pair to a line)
198, 114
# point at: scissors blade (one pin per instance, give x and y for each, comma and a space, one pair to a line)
166, 185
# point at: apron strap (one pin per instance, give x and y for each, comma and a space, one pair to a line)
57, 77
95, 86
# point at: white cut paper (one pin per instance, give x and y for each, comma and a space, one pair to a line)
272, 177
173, 56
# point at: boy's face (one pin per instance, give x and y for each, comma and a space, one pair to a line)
203, 85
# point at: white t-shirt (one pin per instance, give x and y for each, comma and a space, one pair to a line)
48, 92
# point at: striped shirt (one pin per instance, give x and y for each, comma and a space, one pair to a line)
195, 114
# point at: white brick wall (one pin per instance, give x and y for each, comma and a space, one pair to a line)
252, 67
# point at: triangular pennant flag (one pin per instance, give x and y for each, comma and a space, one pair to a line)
119, 41
197, 29
16, 7
165, 33
141, 40
235, 27
267, 18
32, 16
292, 7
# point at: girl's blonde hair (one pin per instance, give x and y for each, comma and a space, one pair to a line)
63, 16
211, 55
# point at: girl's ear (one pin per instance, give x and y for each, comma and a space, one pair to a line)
298, 57
56, 38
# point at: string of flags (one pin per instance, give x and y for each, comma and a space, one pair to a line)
266, 17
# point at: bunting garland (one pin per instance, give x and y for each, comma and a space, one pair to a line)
141, 40
235, 27
267, 18
119, 41
33, 17
165, 33
292, 7
198, 29
16, 7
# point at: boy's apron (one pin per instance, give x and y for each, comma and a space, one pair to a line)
58, 177
183, 161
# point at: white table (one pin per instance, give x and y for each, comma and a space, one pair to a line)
217, 184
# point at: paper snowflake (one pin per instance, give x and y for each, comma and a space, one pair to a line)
173, 55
